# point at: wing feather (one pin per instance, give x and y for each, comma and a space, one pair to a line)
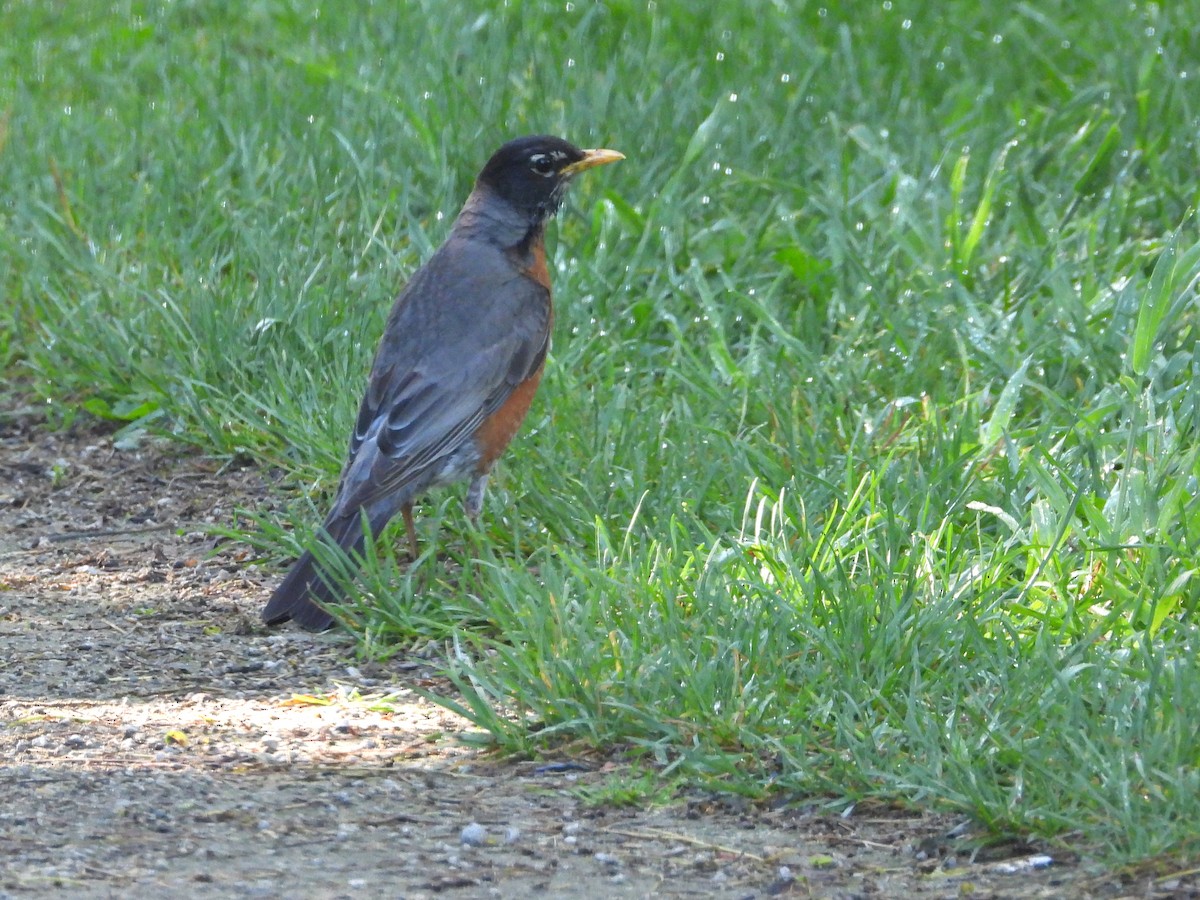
440, 372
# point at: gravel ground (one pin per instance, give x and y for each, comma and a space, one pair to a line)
154, 738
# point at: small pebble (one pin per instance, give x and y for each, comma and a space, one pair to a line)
1021, 866
473, 835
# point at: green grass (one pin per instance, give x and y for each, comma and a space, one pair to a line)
866, 460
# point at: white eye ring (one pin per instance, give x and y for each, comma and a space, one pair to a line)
542, 165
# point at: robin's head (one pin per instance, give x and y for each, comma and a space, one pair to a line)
531, 173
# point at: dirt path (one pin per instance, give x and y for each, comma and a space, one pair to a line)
154, 739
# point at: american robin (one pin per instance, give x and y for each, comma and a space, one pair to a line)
457, 367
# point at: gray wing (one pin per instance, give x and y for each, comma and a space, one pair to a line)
465, 332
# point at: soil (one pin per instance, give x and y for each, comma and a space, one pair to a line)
155, 738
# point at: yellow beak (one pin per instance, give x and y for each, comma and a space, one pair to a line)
591, 159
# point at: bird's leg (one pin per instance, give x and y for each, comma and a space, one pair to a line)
473, 505
410, 526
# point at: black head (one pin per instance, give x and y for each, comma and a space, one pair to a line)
531, 173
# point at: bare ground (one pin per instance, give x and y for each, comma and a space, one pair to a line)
154, 738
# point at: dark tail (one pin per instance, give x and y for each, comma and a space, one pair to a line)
307, 586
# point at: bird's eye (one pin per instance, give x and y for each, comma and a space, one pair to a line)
541, 164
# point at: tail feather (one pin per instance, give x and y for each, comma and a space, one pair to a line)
308, 586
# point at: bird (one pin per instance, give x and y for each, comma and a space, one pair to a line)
460, 359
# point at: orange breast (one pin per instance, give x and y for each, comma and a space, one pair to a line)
498, 429
537, 269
